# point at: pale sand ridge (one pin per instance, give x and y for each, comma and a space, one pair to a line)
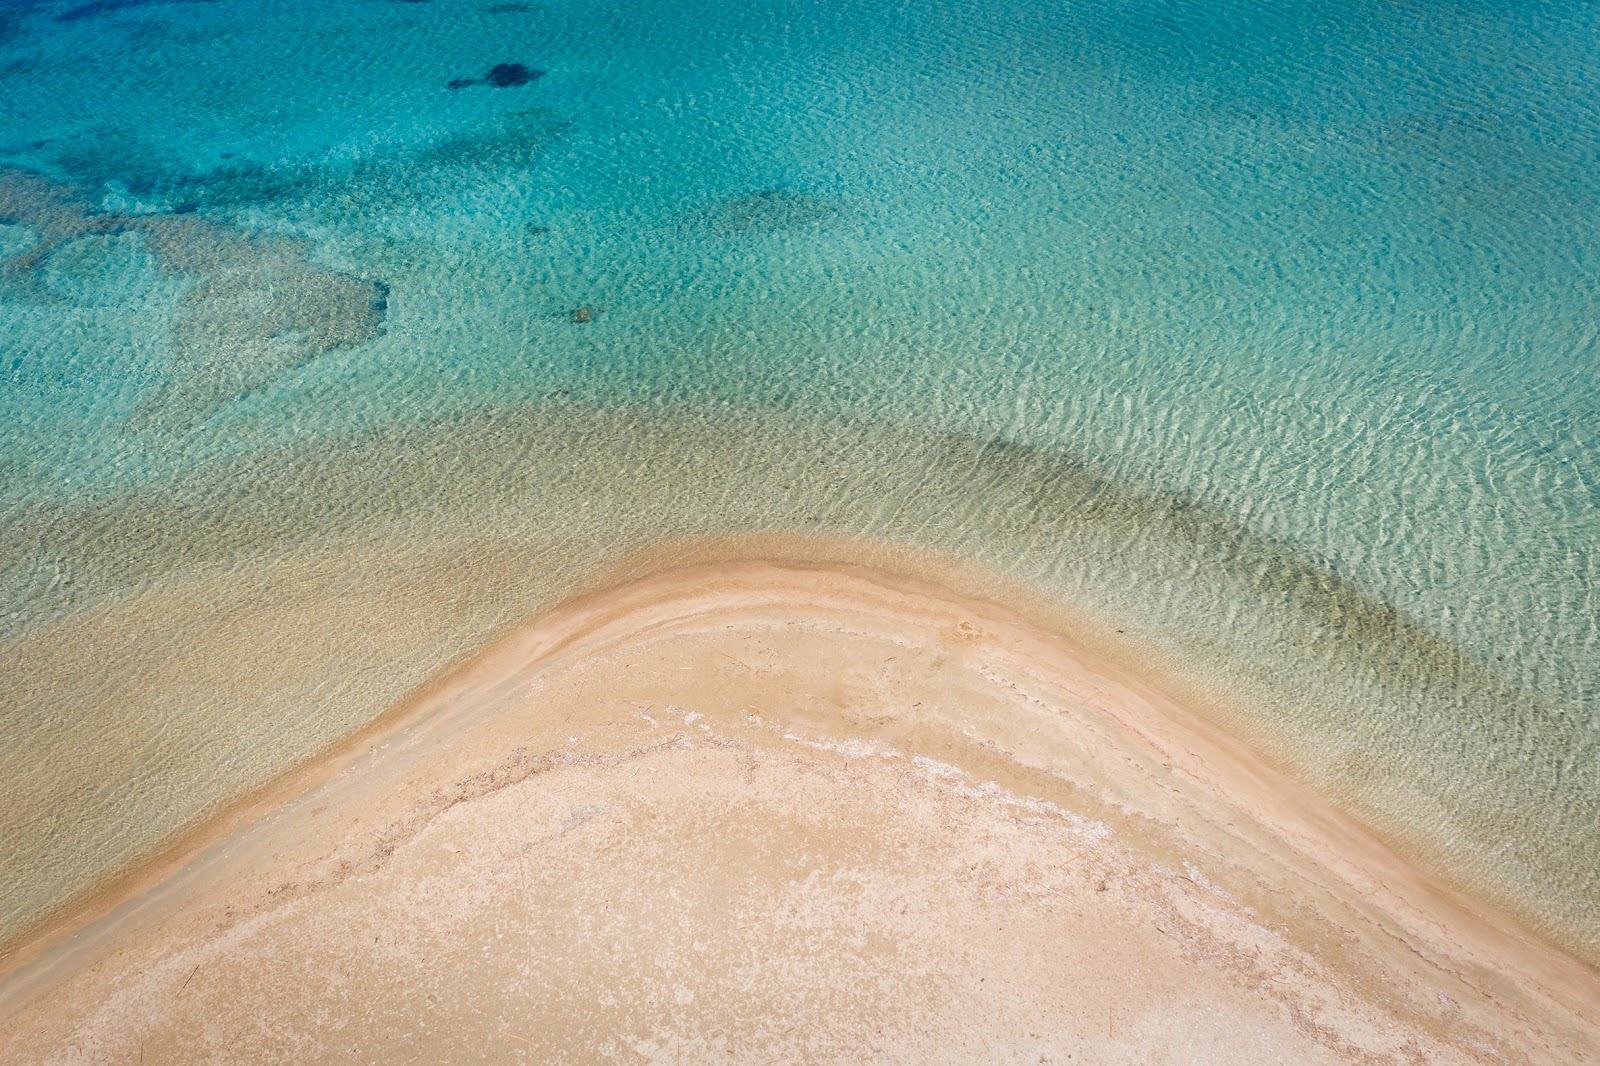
755, 811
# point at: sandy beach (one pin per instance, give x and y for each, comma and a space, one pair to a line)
791, 811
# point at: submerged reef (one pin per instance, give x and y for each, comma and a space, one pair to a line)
762, 211
260, 306
501, 76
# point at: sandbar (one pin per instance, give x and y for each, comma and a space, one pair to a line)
784, 810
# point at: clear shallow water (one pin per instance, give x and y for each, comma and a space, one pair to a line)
1265, 332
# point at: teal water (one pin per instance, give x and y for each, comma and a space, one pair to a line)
1266, 333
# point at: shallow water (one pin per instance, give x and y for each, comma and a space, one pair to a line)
1264, 333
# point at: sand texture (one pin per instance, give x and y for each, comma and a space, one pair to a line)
754, 812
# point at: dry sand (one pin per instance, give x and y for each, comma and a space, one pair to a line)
754, 812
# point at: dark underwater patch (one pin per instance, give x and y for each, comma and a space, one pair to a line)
107, 156
10, 25
1051, 491
768, 210
501, 76
96, 8
118, 156
506, 75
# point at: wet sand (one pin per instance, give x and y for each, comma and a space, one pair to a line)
755, 811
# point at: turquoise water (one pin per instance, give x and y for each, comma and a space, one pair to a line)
1266, 333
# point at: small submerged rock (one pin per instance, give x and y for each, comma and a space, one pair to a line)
505, 75
502, 76
582, 315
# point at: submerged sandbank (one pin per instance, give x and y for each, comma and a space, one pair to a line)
758, 810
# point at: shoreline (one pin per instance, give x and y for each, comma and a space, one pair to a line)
238, 662
1142, 764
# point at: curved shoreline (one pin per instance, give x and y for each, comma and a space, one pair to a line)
219, 676
1163, 781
